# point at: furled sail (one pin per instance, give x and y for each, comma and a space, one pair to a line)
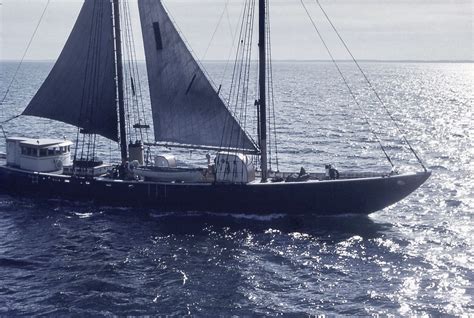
80, 89
186, 108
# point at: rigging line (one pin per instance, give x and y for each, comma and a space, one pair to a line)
233, 34
81, 108
246, 66
90, 86
132, 66
267, 89
242, 41
271, 114
372, 87
234, 71
238, 68
136, 71
128, 73
85, 96
272, 94
95, 81
245, 58
347, 85
95, 72
256, 90
85, 93
3, 131
215, 30
255, 104
25, 52
247, 72
9, 119
237, 64
132, 106
268, 86
272, 87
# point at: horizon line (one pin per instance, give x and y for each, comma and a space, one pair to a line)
296, 60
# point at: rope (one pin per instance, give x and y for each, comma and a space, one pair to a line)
371, 86
3, 131
130, 85
136, 73
215, 30
245, 84
236, 69
243, 77
93, 83
6, 121
270, 83
24, 53
233, 34
9, 119
268, 87
348, 87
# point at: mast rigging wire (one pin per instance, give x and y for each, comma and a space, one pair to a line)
133, 57
24, 53
90, 87
271, 123
236, 73
241, 94
371, 86
215, 30
347, 85
233, 34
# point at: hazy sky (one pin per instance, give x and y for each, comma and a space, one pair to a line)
373, 29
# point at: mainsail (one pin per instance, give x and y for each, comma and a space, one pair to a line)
81, 89
186, 108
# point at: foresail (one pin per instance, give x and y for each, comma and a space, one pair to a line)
80, 89
186, 108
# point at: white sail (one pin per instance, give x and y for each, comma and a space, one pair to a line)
186, 108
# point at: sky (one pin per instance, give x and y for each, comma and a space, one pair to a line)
373, 29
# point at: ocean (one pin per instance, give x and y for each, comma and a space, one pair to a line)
414, 258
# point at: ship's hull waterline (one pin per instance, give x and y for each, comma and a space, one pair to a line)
329, 197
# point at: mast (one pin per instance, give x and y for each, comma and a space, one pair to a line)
121, 104
262, 86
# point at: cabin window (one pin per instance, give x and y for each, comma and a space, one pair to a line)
31, 152
23, 150
43, 152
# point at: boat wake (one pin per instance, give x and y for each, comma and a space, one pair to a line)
254, 217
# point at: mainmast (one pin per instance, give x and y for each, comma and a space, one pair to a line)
262, 86
121, 104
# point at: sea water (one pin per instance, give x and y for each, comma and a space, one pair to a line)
413, 258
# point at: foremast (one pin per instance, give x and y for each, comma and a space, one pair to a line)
119, 71
262, 88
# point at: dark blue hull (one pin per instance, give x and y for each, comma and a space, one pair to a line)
331, 197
